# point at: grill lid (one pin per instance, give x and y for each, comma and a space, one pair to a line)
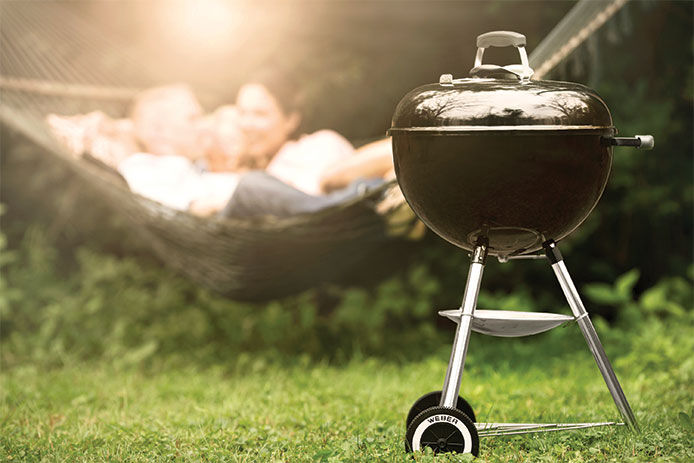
500, 98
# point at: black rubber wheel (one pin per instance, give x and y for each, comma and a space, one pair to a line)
444, 430
433, 399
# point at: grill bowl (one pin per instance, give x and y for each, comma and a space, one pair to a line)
516, 188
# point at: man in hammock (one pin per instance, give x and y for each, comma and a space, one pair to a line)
168, 151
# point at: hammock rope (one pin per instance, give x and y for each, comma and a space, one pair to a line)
256, 259
47, 87
575, 28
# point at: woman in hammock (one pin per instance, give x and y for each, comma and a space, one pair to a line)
294, 174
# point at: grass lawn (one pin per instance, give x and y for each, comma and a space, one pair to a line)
255, 410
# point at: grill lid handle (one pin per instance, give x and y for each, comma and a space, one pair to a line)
502, 39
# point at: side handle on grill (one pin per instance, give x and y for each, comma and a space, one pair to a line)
642, 142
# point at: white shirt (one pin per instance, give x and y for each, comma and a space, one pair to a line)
173, 180
301, 163
176, 182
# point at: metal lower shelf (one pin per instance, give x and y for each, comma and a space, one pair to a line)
510, 323
507, 429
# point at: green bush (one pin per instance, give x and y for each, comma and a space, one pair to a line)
122, 310
671, 297
127, 312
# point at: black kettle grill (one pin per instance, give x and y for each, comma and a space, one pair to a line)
500, 164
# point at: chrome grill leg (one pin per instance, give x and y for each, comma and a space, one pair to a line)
589, 333
454, 373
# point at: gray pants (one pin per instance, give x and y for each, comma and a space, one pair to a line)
259, 193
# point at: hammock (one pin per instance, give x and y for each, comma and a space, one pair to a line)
257, 259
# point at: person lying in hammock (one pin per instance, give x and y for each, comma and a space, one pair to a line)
168, 151
294, 174
192, 162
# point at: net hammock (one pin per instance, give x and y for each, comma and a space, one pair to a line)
250, 259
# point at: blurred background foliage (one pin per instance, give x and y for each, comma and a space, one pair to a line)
77, 283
